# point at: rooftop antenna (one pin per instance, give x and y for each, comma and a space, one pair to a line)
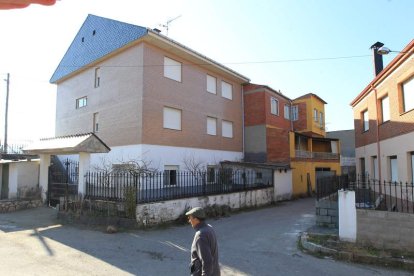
167, 24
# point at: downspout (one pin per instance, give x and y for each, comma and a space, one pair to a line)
378, 141
242, 106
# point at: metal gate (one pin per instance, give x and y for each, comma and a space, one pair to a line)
63, 180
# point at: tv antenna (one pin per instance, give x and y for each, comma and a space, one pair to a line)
167, 24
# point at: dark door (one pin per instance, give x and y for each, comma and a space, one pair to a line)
5, 182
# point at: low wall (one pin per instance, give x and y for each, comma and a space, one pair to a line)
167, 211
386, 230
327, 213
7, 206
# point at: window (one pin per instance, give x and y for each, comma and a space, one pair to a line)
81, 102
365, 120
211, 126
362, 168
321, 119
227, 129
170, 174
274, 106
97, 77
295, 113
412, 167
408, 95
211, 173
211, 84
315, 115
95, 122
374, 168
393, 168
385, 109
226, 90
172, 69
172, 118
287, 112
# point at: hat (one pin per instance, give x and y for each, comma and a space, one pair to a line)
197, 212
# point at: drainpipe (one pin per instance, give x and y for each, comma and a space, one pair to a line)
242, 106
378, 141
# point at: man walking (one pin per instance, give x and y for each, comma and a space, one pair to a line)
204, 249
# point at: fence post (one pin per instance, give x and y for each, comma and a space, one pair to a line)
347, 216
204, 183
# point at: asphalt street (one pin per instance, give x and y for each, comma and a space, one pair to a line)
260, 242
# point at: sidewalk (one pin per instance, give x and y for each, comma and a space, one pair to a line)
324, 242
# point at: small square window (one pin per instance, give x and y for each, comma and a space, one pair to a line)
227, 129
172, 69
172, 118
81, 102
226, 90
274, 106
211, 126
211, 84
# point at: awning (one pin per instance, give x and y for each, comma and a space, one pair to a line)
71, 144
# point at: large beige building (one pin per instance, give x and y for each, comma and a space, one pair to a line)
148, 97
384, 120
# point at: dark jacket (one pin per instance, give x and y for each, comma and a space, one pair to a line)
204, 252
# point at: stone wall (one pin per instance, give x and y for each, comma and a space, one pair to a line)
385, 230
167, 211
7, 206
327, 213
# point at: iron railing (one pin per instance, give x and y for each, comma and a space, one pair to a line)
168, 185
316, 155
370, 193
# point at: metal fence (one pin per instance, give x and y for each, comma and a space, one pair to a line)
167, 185
327, 187
370, 193
384, 195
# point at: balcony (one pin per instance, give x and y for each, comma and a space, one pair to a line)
316, 155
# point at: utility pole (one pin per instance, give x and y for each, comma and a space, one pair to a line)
7, 111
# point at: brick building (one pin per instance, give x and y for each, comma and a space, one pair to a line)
281, 130
384, 119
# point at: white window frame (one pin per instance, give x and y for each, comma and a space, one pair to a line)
211, 125
408, 94
287, 112
321, 119
295, 112
274, 106
374, 169
315, 115
172, 118
227, 129
393, 168
365, 120
81, 102
226, 90
172, 69
211, 84
412, 167
385, 109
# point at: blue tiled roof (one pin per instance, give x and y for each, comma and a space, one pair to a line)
97, 37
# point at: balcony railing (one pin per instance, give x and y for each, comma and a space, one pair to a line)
316, 155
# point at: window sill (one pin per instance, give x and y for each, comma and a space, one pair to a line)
405, 112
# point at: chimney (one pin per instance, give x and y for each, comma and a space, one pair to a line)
378, 64
156, 30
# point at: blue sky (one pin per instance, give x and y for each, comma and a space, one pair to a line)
296, 46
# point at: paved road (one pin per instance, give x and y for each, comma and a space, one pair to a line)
261, 242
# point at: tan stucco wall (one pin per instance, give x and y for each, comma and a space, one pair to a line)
191, 97
118, 100
132, 94
300, 170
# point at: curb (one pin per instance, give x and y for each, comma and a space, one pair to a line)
318, 249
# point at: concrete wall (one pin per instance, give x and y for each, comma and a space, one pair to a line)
388, 230
327, 213
282, 185
23, 176
401, 146
167, 211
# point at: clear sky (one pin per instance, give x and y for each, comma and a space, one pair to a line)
296, 46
